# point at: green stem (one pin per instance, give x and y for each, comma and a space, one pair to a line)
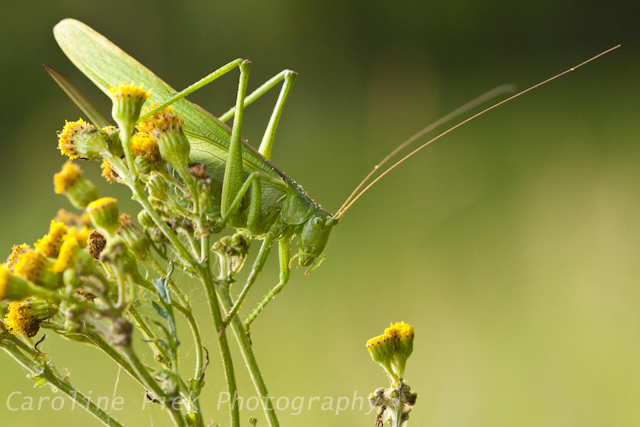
151, 384
148, 333
249, 358
207, 279
45, 373
144, 201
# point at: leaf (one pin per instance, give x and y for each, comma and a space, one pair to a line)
162, 285
87, 108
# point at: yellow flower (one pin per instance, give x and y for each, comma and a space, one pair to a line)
49, 245
73, 256
104, 214
82, 236
18, 251
13, 287
107, 172
143, 145
24, 317
146, 125
67, 178
127, 103
402, 335
79, 191
80, 139
34, 267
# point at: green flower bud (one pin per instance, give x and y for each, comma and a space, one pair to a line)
173, 144
14, 287
137, 242
232, 252
79, 191
158, 187
113, 136
104, 215
36, 268
145, 220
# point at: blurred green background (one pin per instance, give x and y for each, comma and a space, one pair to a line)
511, 245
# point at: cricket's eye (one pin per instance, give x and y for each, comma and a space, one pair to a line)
318, 223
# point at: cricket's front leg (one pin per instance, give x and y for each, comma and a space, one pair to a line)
285, 259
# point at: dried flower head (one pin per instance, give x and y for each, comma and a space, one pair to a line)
96, 244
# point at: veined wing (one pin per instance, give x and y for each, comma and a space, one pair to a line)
106, 65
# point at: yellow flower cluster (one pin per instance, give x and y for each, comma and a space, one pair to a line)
392, 349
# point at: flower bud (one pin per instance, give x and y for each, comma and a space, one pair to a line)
34, 267
113, 135
79, 191
402, 335
24, 317
232, 252
172, 143
382, 349
80, 139
137, 242
158, 187
104, 215
127, 103
14, 287
145, 220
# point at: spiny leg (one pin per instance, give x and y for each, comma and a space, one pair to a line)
234, 169
285, 257
197, 85
255, 270
283, 75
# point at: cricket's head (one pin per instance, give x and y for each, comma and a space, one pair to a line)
313, 239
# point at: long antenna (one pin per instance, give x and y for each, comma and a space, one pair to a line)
343, 209
452, 115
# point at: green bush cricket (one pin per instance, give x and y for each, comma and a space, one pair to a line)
253, 194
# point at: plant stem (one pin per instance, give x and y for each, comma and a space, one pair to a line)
249, 358
151, 384
207, 279
48, 375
